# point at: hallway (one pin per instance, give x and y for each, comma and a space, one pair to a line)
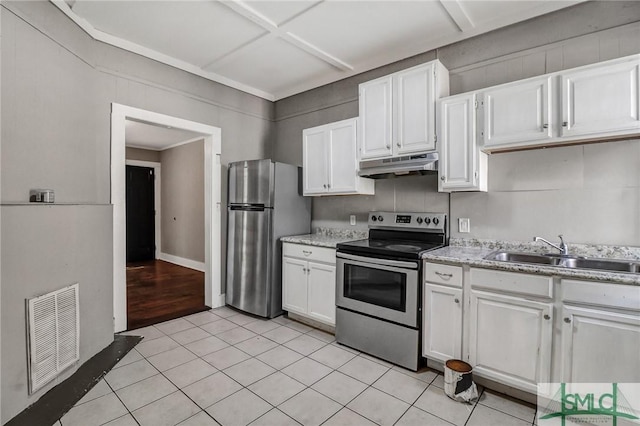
159, 291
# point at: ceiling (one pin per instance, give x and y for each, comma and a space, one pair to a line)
139, 134
275, 49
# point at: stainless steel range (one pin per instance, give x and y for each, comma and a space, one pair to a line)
378, 295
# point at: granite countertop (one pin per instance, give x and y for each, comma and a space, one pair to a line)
326, 237
473, 252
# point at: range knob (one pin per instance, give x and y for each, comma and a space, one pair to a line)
419, 220
373, 218
435, 220
427, 220
380, 218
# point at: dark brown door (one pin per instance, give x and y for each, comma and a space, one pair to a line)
141, 235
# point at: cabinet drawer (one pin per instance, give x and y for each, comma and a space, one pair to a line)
601, 294
317, 254
512, 282
443, 274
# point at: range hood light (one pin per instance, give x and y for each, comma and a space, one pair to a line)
400, 166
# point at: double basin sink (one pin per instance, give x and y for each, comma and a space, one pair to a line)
566, 261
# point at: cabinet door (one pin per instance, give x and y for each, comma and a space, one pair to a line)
600, 346
294, 285
458, 165
442, 322
375, 118
414, 110
322, 292
518, 113
601, 99
343, 163
510, 339
314, 160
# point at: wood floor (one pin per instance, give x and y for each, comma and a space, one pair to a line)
159, 291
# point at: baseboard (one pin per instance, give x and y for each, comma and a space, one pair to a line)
218, 301
187, 263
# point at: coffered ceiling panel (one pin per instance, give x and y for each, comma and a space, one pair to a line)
277, 48
371, 31
280, 12
197, 32
275, 65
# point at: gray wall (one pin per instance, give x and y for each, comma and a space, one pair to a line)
182, 190
591, 193
58, 85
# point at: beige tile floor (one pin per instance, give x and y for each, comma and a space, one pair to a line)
224, 367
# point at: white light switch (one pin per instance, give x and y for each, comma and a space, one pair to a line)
352, 219
464, 225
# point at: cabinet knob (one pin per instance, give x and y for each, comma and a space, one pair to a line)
545, 126
324, 186
567, 320
547, 316
456, 300
398, 144
388, 146
442, 178
564, 124
328, 185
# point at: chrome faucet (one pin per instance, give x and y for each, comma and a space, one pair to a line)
564, 249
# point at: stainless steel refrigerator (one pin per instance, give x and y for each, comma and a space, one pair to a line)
265, 203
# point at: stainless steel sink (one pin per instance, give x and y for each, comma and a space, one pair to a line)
566, 261
508, 256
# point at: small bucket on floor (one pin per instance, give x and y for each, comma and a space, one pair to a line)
458, 384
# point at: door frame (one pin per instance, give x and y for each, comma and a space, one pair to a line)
157, 205
212, 199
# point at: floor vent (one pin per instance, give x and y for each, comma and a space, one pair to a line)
53, 333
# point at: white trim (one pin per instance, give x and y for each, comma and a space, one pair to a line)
182, 261
212, 198
157, 204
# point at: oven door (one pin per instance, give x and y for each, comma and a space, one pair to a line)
385, 289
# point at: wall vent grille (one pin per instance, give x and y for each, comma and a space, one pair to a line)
53, 334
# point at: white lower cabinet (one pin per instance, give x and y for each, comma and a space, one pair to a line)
506, 329
309, 282
442, 329
600, 326
510, 339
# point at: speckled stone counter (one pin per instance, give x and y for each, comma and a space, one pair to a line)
473, 252
326, 237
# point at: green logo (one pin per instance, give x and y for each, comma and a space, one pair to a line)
583, 407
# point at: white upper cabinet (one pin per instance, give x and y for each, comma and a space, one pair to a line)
600, 99
397, 112
462, 166
375, 118
594, 102
330, 164
518, 112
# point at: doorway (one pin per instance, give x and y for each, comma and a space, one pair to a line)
212, 198
140, 207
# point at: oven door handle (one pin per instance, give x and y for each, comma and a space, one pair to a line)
378, 261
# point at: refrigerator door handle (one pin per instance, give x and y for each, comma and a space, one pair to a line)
248, 207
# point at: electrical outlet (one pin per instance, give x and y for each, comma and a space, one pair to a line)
464, 225
352, 219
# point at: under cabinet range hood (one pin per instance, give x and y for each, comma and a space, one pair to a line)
400, 166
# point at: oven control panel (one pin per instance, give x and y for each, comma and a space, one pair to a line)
427, 221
